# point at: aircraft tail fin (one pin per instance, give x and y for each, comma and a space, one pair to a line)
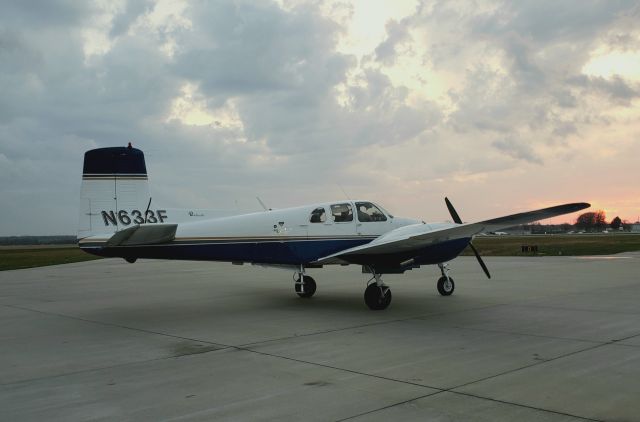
114, 192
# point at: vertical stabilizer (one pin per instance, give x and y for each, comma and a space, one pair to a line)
115, 191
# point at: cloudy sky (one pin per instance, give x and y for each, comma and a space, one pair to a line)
502, 106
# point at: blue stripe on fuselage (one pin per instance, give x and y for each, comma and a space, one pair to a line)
271, 252
288, 252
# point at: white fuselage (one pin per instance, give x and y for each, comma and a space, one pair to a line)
283, 236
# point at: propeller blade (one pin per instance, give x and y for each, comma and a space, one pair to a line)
458, 220
452, 211
480, 261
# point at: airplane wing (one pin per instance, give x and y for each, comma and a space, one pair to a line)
418, 236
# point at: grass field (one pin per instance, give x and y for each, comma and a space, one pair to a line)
12, 258
582, 244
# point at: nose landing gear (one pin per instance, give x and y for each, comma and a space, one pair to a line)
446, 286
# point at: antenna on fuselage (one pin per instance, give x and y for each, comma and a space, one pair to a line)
146, 212
262, 203
343, 191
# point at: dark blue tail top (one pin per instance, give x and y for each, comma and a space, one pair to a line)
114, 160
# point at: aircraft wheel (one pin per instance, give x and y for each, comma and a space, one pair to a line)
309, 287
446, 286
377, 298
131, 260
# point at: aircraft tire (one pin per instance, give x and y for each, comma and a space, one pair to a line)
444, 288
309, 287
131, 260
374, 298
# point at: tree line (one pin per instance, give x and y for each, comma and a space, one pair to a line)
590, 222
597, 221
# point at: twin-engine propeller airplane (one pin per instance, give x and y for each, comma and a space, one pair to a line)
117, 220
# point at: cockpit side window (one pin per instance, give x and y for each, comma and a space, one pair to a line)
367, 212
318, 215
342, 213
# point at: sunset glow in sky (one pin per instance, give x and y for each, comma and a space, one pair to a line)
501, 106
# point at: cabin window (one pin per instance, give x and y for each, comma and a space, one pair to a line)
342, 213
368, 212
318, 215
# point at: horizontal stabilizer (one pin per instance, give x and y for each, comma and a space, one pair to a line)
144, 235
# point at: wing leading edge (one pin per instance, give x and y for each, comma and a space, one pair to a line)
404, 240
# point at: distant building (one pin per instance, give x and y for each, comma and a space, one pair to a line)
635, 227
518, 230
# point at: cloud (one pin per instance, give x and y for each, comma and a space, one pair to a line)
397, 33
614, 88
517, 149
59, 14
245, 48
453, 95
123, 20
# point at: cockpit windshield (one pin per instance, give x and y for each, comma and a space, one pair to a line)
367, 212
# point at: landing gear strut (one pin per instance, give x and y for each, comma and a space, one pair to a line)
445, 283
304, 285
377, 295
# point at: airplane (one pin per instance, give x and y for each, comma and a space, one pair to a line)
117, 220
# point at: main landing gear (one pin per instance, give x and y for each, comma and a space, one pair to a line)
445, 283
377, 295
304, 285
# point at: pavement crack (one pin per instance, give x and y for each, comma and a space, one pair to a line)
453, 389
571, 309
81, 371
516, 333
388, 406
110, 324
371, 324
541, 409
542, 362
221, 346
400, 403
336, 368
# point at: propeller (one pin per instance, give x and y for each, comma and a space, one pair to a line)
456, 219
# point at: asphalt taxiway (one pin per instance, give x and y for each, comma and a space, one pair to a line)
552, 339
